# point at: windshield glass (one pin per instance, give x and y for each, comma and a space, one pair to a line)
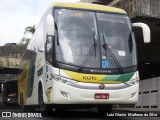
83, 33
76, 32
115, 32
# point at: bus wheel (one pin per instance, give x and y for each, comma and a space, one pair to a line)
104, 109
45, 109
23, 107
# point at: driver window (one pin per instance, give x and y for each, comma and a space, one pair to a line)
49, 49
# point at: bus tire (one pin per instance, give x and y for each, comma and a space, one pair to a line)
45, 109
23, 107
104, 109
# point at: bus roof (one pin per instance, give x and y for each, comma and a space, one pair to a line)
88, 6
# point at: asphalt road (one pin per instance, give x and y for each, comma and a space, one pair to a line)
76, 115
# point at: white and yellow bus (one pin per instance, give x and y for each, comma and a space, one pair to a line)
81, 55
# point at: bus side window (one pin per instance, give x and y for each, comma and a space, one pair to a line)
49, 49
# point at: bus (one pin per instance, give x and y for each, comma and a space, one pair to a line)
10, 92
81, 55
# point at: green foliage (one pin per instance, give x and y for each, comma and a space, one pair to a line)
25, 40
30, 29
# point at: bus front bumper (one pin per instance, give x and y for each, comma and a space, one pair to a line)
65, 94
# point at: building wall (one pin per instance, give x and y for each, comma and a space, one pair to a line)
102, 2
9, 62
150, 89
143, 8
10, 56
89, 1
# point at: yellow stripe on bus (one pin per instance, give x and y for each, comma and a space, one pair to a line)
84, 77
89, 7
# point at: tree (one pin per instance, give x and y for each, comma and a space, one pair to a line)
29, 29
24, 41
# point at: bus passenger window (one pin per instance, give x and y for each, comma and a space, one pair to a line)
49, 49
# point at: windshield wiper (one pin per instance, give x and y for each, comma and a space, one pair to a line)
107, 49
89, 53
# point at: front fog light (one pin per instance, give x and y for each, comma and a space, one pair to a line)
132, 95
65, 94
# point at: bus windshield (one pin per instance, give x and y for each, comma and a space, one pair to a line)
78, 31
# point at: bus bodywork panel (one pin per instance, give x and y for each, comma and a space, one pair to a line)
85, 6
93, 78
64, 94
62, 86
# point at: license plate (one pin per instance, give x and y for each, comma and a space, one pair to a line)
101, 96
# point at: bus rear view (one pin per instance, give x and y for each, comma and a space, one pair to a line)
9, 92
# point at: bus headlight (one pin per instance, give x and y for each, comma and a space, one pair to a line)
132, 82
63, 80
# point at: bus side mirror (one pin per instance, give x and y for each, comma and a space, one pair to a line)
146, 31
50, 25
